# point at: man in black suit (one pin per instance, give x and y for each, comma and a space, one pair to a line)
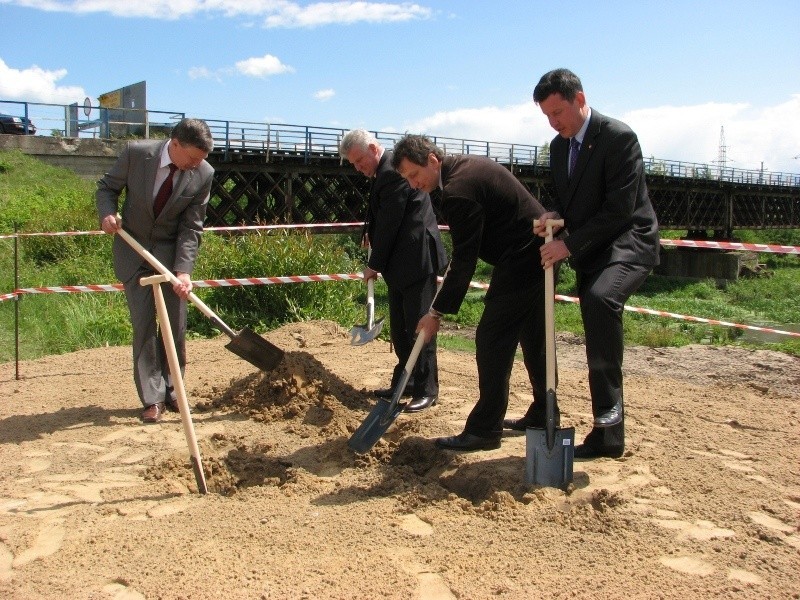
490, 215
169, 225
407, 250
612, 238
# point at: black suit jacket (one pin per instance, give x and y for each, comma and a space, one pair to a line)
490, 214
402, 229
605, 205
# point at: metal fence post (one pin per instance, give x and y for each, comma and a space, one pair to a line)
16, 301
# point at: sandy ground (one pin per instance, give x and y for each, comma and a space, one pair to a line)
94, 504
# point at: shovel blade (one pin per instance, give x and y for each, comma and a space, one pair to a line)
380, 418
549, 465
361, 334
260, 353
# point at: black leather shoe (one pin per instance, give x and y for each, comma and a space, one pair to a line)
468, 441
420, 403
387, 393
587, 451
522, 423
609, 417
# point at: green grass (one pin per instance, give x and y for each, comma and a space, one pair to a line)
35, 197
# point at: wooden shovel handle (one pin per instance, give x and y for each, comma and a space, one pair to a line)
156, 264
549, 312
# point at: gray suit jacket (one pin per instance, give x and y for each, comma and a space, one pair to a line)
174, 237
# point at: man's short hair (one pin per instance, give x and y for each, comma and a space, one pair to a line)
357, 138
557, 81
416, 149
193, 132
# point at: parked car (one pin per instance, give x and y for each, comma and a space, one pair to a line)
16, 125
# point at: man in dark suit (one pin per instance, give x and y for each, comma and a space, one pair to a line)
490, 215
168, 223
407, 250
612, 238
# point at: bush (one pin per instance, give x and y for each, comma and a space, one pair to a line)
261, 255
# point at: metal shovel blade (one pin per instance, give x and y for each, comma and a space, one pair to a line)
255, 349
363, 334
384, 413
549, 452
380, 418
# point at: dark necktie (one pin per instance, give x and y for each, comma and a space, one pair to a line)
574, 149
164, 191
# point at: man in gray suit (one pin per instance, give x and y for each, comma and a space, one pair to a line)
167, 186
406, 247
611, 239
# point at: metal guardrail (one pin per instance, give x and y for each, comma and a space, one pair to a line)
323, 142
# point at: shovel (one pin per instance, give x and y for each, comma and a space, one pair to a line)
246, 344
549, 452
177, 380
362, 334
385, 411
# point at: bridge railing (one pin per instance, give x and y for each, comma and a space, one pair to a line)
315, 143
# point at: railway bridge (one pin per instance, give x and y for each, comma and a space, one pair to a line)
294, 174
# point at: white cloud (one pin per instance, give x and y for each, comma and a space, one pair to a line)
262, 66
324, 95
201, 73
679, 133
35, 84
515, 123
291, 14
156, 9
752, 134
276, 13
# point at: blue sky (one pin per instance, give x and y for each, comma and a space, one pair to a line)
678, 72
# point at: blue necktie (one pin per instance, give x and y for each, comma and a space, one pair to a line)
574, 149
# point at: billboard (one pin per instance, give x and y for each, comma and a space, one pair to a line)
124, 111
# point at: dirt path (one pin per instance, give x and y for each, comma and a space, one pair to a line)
94, 504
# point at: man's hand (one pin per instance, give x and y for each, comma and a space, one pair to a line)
184, 285
110, 224
540, 227
428, 326
370, 274
552, 252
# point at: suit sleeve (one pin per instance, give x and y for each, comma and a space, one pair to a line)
110, 186
466, 219
619, 183
393, 195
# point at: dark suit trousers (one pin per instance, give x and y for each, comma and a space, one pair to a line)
603, 295
150, 366
406, 307
513, 315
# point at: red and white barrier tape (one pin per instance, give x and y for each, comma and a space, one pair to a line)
769, 248
278, 280
290, 226
774, 248
208, 283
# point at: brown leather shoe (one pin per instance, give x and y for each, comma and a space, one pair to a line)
171, 400
153, 413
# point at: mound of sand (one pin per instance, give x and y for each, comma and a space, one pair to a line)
95, 504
